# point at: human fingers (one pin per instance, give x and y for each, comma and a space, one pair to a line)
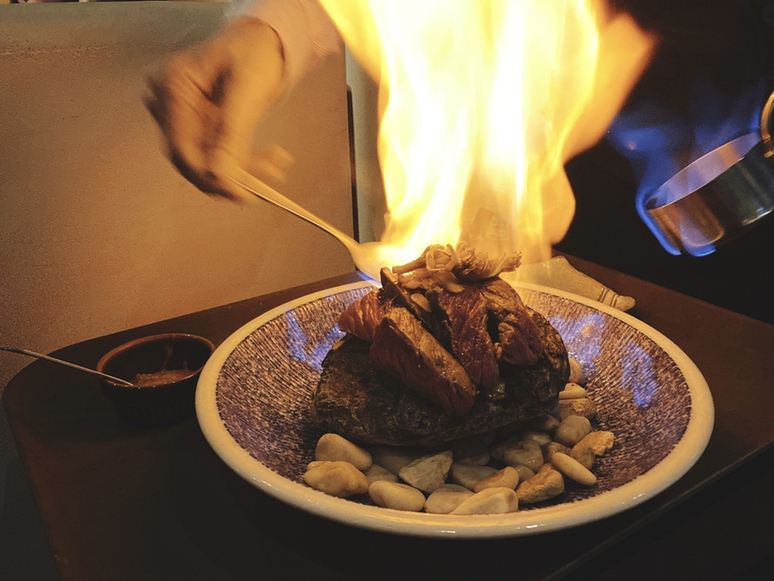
209, 99
181, 106
249, 91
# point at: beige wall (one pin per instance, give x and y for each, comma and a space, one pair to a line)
99, 233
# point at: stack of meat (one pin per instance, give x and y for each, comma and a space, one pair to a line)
444, 323
441, 330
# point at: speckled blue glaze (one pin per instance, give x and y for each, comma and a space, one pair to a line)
265, 385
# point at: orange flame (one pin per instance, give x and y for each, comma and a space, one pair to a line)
481, 105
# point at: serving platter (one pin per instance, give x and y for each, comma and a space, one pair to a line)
254, 395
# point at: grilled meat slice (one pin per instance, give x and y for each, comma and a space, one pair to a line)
395, 292
361, 317
465, 316
401, 296
519, 338
404, 348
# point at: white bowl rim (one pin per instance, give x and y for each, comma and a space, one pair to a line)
680, 459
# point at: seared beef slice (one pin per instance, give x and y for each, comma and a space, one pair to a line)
400, 296
402, 347
465, 314
361, 317
519, 338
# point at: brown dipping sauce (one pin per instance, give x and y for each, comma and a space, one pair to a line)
160, 377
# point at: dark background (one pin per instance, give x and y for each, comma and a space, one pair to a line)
726, 46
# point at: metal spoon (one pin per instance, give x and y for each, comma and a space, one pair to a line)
68, 364
369, 258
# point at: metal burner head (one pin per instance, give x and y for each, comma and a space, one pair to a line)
719, 196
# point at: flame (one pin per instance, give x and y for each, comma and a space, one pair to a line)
481, 104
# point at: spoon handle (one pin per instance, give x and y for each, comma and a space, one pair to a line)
269, 194
67, 364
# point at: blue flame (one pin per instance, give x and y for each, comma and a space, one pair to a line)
659, 142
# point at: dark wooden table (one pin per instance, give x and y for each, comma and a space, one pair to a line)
122, 503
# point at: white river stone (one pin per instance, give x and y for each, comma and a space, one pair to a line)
396, 495
571, 468
446, 498
393, 458
525, 473
469, 476
581, 406
584, 454
572, 391
376, 473
333, 447
525, 452
600, 442
542, 438
508, 477
490, 501
547, 483
336, 478
572, 430
428, 472
576, 372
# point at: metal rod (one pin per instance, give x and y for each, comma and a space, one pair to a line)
68, 364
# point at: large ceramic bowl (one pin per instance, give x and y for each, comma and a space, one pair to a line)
254, 394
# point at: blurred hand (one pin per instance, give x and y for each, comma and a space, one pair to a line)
209, 99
